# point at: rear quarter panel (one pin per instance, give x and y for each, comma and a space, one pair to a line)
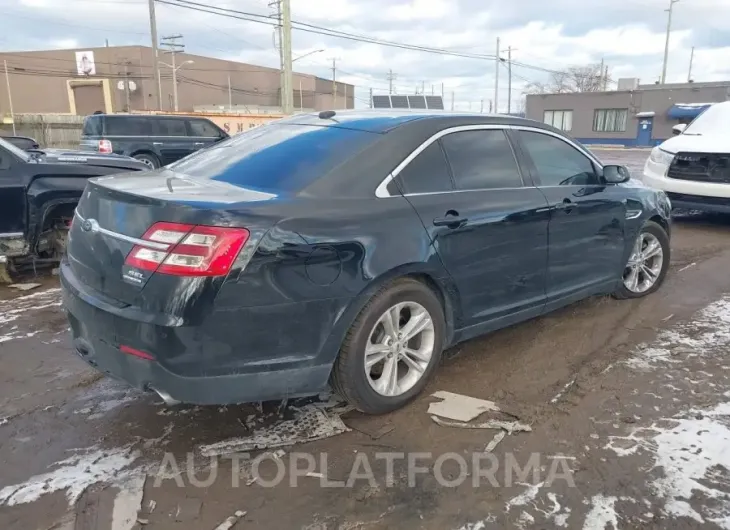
314, 271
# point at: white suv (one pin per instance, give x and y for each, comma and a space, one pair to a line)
693, 168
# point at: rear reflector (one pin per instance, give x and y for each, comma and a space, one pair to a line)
192, 250
135, 353
105, 146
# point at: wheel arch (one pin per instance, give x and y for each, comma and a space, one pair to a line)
440, 283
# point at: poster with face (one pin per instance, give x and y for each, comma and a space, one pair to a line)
85, 63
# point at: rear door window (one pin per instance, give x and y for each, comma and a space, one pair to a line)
203, 129
92, 126
482, 159
128, 126
170, 127
276, 157
427, 173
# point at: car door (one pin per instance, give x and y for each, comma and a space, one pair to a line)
12, 196
203, 133
172, 139
488, 226
587, 217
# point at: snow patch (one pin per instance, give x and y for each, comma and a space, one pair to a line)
602, 514
74, 475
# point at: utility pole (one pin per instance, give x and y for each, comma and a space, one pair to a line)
691, 60
230, 96
600, 74
432, 90
496, 79
481, 107
442, 90
371, 98
390, 77
452, 101
278, 45
423, 88
605, 79
173, 47
334, 83
126, 86
288, 96
10, 97
155, 52
490, 106
666, 44
509, 80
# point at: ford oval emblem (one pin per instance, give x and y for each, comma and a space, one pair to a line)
86, 226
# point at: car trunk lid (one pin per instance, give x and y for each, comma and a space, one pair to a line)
116, 216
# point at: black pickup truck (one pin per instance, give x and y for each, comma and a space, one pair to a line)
39, 190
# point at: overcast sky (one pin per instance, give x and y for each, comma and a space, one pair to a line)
554, 34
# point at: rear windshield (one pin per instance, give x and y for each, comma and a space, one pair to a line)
276, 157
92, 126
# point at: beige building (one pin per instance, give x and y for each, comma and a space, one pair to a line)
121, 78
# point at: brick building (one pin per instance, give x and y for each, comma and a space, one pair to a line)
121, 78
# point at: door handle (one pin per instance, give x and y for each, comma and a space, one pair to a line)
566, 205
451, 220
156, 143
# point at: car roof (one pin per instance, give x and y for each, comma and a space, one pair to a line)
386, 120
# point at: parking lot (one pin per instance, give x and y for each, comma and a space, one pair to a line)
627, 402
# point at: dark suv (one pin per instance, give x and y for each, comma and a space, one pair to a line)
151, 139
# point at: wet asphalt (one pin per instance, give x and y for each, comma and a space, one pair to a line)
627, 401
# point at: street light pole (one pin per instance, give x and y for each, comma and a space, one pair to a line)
666, 44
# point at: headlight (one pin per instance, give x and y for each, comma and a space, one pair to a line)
659, 156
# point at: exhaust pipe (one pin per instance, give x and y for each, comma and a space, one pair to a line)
167, 398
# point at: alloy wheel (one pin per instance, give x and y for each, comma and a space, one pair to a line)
645, 264
399, 349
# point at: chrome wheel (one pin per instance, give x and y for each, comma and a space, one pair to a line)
399, 349
645, 263
147, 162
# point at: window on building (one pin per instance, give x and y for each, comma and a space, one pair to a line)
610, 120
560, 119
481, 160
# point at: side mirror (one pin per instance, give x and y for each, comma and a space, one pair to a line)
616, 174
679, 128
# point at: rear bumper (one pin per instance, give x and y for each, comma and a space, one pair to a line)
191, 375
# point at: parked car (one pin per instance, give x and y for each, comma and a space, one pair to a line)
347, 247
38, 193
24, 142
155, 140
693, 167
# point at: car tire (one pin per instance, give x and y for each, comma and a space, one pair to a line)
149, 160
414, 303
650, 233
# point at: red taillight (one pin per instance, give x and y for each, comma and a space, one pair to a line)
189, 250
105, 146
135, 352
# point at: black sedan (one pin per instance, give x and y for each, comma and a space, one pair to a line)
348, 248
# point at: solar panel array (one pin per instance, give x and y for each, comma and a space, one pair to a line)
408, 102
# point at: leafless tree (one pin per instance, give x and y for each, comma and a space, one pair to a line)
588, 78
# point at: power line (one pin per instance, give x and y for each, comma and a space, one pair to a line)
312, 28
